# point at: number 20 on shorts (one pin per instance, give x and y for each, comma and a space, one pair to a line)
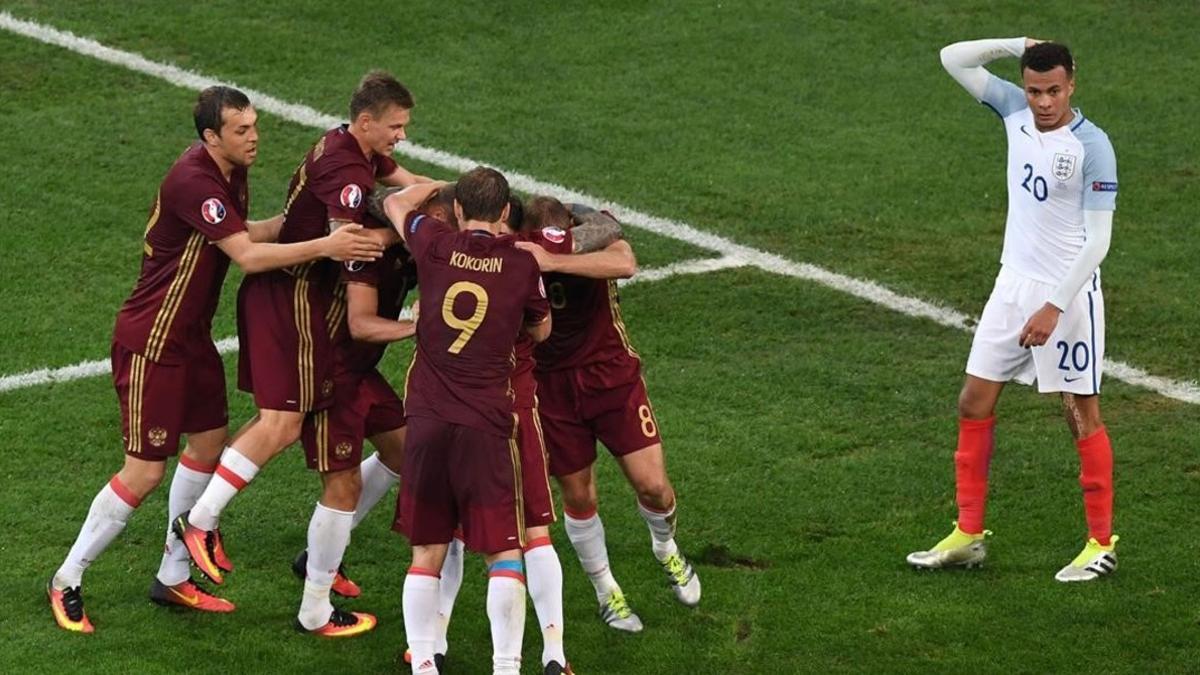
1078, 355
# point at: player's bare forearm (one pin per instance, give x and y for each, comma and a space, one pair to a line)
615, 261
345, 244
264, 231
377, 329
402, 177
596, 231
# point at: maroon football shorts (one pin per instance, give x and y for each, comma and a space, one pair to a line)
535, 476
599, 401
285, 357
364, 405
160, 402
457, 474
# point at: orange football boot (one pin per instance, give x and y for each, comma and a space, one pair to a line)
200, 544
189, 594
67, 606
344, 624
219, 556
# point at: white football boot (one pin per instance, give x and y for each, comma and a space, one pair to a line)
684, 581
615, 611
958, 549
1093, 562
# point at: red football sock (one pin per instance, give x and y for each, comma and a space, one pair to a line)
1096, 479
971, 461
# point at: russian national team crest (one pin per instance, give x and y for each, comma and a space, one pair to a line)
554, 234
1064, 166
212, 210
351, 196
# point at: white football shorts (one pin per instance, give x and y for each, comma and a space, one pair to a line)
1072, 360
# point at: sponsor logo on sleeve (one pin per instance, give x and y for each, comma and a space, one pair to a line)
351, 196
212, 210
1104, 186
554, 234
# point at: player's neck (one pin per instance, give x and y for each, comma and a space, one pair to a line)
362, 144
224, 165
480, 226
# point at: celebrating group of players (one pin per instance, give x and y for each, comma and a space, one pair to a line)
522, 363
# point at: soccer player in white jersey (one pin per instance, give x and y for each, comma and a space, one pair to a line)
1045, 318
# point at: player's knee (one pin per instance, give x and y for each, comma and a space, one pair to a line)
283, 430
972, 406
656, 493
578, 501
142, 477
342, 490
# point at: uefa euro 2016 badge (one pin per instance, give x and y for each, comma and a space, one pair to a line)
1064, 165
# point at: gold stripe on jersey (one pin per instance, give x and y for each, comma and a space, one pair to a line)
174, 297
337, 310
146, 247
304, 360
515, 453
408, 373
302, 172
614, 306
541, 439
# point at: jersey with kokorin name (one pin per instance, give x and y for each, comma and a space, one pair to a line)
176, 294
588, 327
1053, 177
477, 293
332, 183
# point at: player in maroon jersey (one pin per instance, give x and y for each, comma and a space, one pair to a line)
169, 378
591, 388
461, 463
286, 359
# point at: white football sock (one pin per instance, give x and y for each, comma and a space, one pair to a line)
234, 471
186, 487
506, 614
377, 479
452, 576
587, 536
662, 530
328, 536
420, 601
545, 578
105, 520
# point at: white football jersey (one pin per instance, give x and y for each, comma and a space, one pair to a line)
1052, 178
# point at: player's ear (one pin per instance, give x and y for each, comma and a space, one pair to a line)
211, 137
458, 212
504, 213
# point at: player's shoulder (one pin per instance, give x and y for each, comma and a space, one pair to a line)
337, 151
1090, 134
194, 175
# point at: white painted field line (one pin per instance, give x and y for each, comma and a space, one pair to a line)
228, 345
865, 289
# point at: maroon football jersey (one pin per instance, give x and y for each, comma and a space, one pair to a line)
176, 294
477, 293
332, 182
393, 276
524, 385
588, 327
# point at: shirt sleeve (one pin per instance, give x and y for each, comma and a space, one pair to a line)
537, 307
1002, 96
384, 166
343, 189
1099, 173
553, 239
420, 230
207, 209
360, 272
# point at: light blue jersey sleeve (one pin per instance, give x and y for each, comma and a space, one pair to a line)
1099, 168
1002, 96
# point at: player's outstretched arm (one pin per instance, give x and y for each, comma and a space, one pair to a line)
362, 315
596, 231
1097, 226
964, 61
265, 230
346, 243
616, 261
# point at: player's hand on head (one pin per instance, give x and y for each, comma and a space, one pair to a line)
350, 242
1029, 42
1038, 328
544, 259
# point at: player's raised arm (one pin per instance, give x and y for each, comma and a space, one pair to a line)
346, 243
397, 205
362, 315
964, 62
615, 261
